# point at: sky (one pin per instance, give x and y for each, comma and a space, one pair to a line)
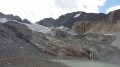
36, 10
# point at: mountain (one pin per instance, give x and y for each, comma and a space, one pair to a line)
109, 23
68, 19
81, 22
48, 22
25, 44
11, 17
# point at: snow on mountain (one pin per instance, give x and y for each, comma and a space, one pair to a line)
34, 27
77, 15
62, 27
109, 34
3, 20
38, 28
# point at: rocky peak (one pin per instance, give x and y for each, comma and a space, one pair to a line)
11, 17
26, 21
48, 22
112, 17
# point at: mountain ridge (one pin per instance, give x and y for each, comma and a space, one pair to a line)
68, 19
11, 17
110, 23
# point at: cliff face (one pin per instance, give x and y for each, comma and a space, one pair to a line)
81, 27
113, 17
108, 24
68, 19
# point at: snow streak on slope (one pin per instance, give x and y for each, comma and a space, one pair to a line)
77, 15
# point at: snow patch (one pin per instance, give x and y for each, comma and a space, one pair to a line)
38, 28
77, 15
3, 20
71, 33
62, 27
109, 34
21, 47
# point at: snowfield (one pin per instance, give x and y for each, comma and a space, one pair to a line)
109, 34
3, 20
43, 29
38, 28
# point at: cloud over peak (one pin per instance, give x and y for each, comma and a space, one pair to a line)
113, 8
66, 4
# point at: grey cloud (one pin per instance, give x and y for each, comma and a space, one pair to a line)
66, 4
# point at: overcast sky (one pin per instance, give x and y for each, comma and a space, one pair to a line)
36, 10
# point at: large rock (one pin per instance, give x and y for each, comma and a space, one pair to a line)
61, 33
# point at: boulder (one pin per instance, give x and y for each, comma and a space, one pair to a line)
61, 33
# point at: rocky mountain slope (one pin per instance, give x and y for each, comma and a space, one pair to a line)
21, 43
33, 45
110, 23
18, 48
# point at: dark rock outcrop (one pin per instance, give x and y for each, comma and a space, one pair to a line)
61, 33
